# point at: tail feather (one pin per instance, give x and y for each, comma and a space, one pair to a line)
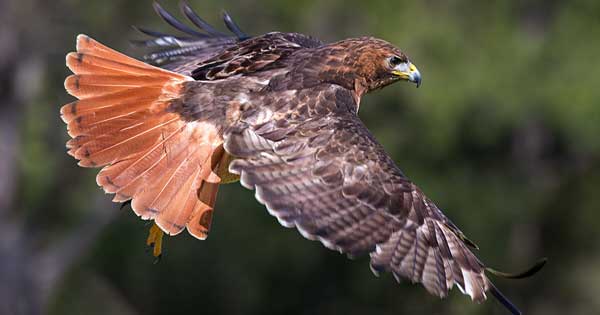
87, 46
149, 155
177, 204
207, 194
82, 92
96, 83
90, 64
99, 108
202, 216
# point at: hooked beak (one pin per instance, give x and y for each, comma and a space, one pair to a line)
407, 71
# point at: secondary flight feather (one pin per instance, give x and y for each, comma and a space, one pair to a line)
279, 112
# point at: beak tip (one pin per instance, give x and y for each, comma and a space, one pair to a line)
415, 75
417, 79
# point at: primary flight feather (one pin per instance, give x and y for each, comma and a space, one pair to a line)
279, 112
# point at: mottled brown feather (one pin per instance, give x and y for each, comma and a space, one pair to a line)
326, 175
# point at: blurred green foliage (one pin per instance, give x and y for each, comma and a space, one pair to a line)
503, 135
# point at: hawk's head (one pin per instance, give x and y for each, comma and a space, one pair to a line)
369, 63
379, 63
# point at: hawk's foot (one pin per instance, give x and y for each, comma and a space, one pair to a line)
154, 240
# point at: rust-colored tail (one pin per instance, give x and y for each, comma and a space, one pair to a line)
122, 122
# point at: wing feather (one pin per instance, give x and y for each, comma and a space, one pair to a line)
325, 174
183, 53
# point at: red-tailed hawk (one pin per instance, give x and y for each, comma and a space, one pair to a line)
279, 112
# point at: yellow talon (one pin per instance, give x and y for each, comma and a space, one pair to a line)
223, 170
154, 240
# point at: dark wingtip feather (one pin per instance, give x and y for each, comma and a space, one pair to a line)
203, 41
175, 22
234, 28
198, 21
520, 275
504, 301
159, 39
149, 32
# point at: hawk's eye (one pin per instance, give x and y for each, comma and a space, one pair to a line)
394, 61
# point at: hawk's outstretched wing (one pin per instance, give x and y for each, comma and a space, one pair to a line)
186, 53
315, 166
182, 53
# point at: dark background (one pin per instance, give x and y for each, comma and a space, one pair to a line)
503, 135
